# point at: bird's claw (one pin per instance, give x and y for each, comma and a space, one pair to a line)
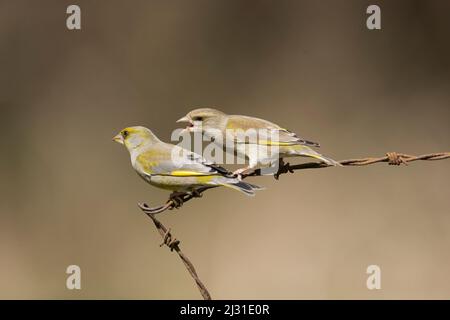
239, 173
177, 202
177, 199
283, 168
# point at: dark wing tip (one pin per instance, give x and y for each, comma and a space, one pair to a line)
310, 143
219, 169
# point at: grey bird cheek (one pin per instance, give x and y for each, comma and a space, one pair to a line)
134, 141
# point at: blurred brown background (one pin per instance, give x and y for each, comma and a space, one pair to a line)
68, 193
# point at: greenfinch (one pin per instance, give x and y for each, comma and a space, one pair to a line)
171, 167
272, 144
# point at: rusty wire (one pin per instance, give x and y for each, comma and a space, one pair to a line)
174, 244
176, 201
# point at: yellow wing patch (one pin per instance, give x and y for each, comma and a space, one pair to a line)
183, 173
275, 143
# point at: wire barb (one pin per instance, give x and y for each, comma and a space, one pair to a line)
395, 159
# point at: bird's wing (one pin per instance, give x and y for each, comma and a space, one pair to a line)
268, 133
171, 160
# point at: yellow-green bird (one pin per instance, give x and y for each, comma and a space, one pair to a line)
271, 144
171, 167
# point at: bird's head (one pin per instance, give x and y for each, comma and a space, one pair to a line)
135, 137
203, 119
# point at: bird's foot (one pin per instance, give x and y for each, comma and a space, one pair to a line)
240, 172
282, 168
196, 194
177, 199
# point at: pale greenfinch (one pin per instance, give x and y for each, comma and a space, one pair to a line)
171, 167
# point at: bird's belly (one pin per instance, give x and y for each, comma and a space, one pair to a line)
258, 154
176, 183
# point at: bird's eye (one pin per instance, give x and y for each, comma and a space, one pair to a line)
198, 119
125, 133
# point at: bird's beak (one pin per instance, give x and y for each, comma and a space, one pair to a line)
190, 125
184, 119
118, 138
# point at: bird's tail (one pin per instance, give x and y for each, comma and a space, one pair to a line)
308, 152
245, 187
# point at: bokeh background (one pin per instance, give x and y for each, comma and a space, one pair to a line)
68, 193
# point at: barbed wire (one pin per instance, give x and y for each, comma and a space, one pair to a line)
176, 200
392, 158
174, 245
